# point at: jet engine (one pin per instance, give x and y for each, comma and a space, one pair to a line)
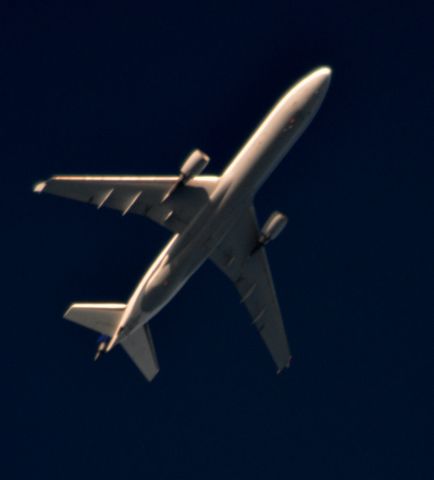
195, 164
272, 228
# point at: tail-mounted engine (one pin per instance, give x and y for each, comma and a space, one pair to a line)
193, 166
272, 229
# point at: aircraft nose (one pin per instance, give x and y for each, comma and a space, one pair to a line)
317, 83
324, 72
323, 76
311, 90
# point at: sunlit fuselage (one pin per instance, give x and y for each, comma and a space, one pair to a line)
249, 169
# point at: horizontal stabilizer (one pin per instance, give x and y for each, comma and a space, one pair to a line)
140, 348
101, 317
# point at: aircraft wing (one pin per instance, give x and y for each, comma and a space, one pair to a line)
252, 277
142, 195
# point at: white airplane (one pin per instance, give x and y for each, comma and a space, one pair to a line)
211, 217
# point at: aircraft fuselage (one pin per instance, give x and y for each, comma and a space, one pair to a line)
186, 252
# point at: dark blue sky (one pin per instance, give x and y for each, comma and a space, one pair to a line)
125, 88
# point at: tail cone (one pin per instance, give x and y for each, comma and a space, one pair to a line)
103, 341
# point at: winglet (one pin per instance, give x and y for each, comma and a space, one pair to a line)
39, 187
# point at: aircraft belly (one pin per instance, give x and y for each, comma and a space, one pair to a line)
185, 257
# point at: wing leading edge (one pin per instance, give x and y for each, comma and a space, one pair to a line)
250, 272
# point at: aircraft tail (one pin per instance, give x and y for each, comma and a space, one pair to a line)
104, 318
101, 317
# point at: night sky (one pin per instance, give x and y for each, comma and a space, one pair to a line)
124, 88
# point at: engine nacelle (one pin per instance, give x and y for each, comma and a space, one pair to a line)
195, 164
272, 228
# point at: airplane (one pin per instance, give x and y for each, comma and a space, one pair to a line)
211, 217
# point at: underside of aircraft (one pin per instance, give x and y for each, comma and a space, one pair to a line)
211, 217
